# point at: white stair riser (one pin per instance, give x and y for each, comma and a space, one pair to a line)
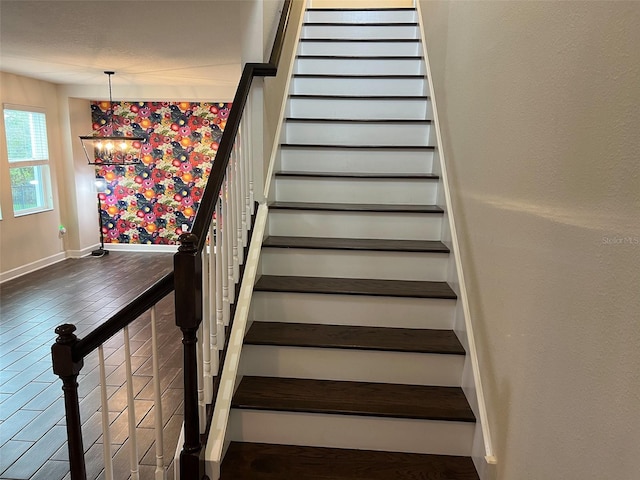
337, 66
357, 190
380, 225
352, 365
351, 431
345, 133
360, 16
354, 160
360, 310
358, 86
360, 31
360, 48
354, 264
392, 109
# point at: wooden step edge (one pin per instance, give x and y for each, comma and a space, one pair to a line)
323, 146
357, 207
361, 40
359, 57
346, 337
366, 121
360, 76
359, 175
356, 9
360, 24
246, 461
340, 397
294, 96
367, 244
355, 286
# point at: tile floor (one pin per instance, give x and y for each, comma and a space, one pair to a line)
84, 292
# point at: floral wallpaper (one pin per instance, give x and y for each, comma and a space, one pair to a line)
151, 202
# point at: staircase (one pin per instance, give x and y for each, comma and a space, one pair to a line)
351, 368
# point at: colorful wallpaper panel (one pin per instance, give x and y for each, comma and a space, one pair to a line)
151, 202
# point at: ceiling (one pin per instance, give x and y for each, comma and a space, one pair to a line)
148, 43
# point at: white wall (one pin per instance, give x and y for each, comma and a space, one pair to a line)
539, 105
28, 241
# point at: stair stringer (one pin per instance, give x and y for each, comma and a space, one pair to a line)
216, 440
482, 451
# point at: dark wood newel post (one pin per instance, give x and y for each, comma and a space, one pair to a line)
67, 369
187, 266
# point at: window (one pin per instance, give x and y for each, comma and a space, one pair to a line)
28, 152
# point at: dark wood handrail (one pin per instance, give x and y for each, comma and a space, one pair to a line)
216, 177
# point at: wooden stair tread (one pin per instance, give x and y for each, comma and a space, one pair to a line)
356, 75
353, 398
260, 461
360, 97
320, 146
363, 40
360, 24
356, 207
354, 286
357, 120
361, 57
356, 244
372, 175
359, 9
352, 337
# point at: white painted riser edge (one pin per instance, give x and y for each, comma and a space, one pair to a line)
360, 48
360, 31
379, 225
360, 16
354, 160
385, 134
355, 264
391, 109
358, 86
352, 365
350, 431
358, 310
357, 190
334, 66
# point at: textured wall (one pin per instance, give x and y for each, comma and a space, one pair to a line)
539, 104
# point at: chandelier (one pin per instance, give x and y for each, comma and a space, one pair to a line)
107, 146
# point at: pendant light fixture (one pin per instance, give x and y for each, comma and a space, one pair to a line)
107, 146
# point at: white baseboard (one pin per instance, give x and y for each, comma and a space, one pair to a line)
32, 267
128, 247
82, 253
59, 257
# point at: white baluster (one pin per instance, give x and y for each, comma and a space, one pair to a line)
213, 306
249, 155
133, 439
224, 278
233, 209
106, 432
161, 473
246, 165
243, 189
239, 201
206, 322
229, 239
202, 408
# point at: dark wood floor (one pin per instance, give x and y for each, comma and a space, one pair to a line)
84, 292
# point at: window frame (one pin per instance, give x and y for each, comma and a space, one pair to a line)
44, 190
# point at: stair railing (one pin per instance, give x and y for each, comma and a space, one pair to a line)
207, 267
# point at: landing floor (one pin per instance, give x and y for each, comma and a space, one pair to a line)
84, 292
